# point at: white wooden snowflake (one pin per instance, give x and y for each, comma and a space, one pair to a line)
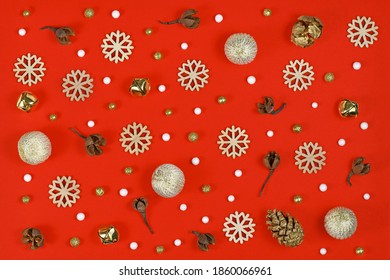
64, 191
135, 138
117, 46
239, 227
233, 141
310, 157
298, 75
193, 75
362, 32
29, 69
77, 85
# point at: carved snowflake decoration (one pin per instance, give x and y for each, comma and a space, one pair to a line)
362, 32
193, 75
233, 142
29, 69
310, 157
239, 227
64, 191
298, 75
135, 138
77, 85
117, 46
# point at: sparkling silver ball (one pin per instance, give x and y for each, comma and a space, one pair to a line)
240, 48
34, 147
168, 180
340, 222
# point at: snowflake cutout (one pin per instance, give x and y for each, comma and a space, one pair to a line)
239, 227
298, 75
362, 32
193, 75
117, 46
233, 142
77, 85
64, 191
29, 69
310, 157
135, 138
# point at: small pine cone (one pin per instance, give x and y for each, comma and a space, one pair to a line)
286, 229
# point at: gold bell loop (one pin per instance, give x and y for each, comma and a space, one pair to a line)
348, 108
140, 87
26, 101
108, 235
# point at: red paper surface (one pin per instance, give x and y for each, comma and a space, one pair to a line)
332, 52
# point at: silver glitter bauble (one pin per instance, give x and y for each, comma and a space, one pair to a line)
240, 48
168, 180
34, 147
340, 222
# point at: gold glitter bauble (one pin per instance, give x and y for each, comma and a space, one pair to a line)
148, 31
74, 241
128, 170
168, 180
52, 117
88, 13
157, 55
206, 188
26, 13
297, 128
192, 136
159, 249
240, 48
329, 77
267, 12
111, 106
221, 99
99, 191
25, 199
359, 251
34, 147
297, 199
340, 222
168, 112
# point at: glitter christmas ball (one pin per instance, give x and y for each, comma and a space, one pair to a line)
240, 48
168, 180
34, 147
340, 222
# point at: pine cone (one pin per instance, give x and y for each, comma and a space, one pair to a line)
285, 228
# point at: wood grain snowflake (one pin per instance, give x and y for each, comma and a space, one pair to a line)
77, 85
135, 138
310, 157
239, 227
362, 32
193, 75
298, 75
117, 46
64, 191
233, 142
29, 69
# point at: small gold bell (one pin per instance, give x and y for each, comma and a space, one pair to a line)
348, 108
108, 235
140, 87
26, 101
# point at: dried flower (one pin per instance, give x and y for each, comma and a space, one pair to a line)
140, 204
61, 33
359, 168
271, 161
33, 236
187, 19
306, 31
204, 240
268, 107
92, 143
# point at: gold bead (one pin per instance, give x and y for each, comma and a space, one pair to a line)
221, 99
26, 13
206, 188
192, 136
297, 128
329, 77
297, 199
111, 106
157, 55
267, 12
74, 241
88, 13
52, 117
128, 170
159, 249
148, 31
99, 191
359, 251
168, 112
25, 199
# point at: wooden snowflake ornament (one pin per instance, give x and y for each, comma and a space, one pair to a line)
298, 75
117, 46
135, 138
193, 75
64, 191
310, 157
239, 227
362, 32
233, 141
29, 69
77, 85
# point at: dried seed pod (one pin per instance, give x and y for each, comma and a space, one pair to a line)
33, 236
268, 107
140, 204
306, 31
92, 143
271, 161
187, 19
359, 168
204, 240
61, 33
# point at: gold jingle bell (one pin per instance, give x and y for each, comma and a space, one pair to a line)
140, 87
348, 108
108, 235
26, 101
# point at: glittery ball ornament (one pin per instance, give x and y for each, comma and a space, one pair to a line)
34, 147
240, 48
168, 180
340, 222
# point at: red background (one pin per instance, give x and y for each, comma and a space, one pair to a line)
332, 52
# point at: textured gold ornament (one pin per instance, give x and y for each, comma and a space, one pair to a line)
267, 12
108, 235
52, 117
140, 87
168, 112
359, 251
348, 108
26, 13
240, 48
25, 199
329, 77
34, 147
157, 55
340, 222
26, 101
88, 13
306, 31
206, 188
168, 180
112, 106
297, 199
99, 191
193, 136
159, 249
128, 170
221, 99
148, 31
74, 241
297, 128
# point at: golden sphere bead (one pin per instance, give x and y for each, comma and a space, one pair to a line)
359, 251
128, 170
297, 199
192, 136
53, 117
267, 12
168, 112
206, 188
157, 55
221, 99
25, 199
74, 241
26, 13
297, 128
329, 77
112, 106
99, 191
148, 31
88, 13
160, 249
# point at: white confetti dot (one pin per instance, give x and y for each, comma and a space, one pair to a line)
115, 14
251, 80
177, 242
341, 142
356, 65
166, 137
183, 207
238, 173
270, 133
80, 53
314, 105
184, 46
106, 80
231, 198
91, 123
80, 216
205, 219
364, 125
366, 196
323, 251
197, 111
218, 18
27, 178
323, 187
195, 160
161, 88
22, 32
123, 192
133, 245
